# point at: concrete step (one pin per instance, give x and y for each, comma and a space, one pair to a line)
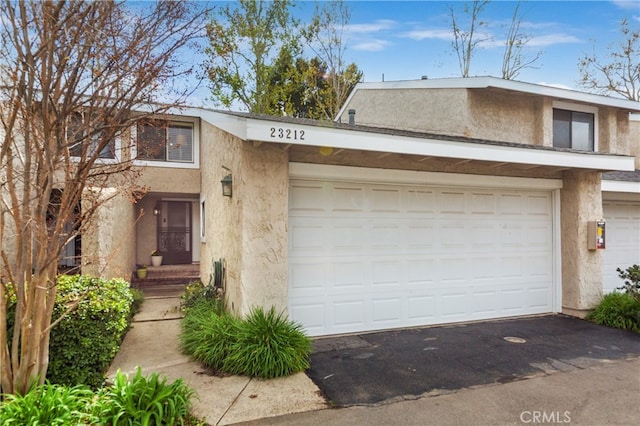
167, 276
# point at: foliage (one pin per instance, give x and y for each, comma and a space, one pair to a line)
631, 278
86, 340
91, 316
262, 345
49, 404
207, 334
75, 76
268, 345
136, 305
620, 73
619, 310
245, 38
145, 400
195, 291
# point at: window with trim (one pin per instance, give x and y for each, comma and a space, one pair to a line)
161, 140
573, 129
82, 139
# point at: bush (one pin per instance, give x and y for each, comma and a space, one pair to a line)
619, 310
145, 400
142, 401
268, 345
263, 345
49, 405
195, 291
87, 339
631, 278
207, 333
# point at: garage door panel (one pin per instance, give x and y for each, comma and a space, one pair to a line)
623, 240
398, 255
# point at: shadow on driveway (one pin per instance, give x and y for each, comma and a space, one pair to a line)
373, 368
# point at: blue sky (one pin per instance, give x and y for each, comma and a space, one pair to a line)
404, 40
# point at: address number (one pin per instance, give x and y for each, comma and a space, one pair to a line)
284, 133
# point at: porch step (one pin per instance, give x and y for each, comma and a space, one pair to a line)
166, 276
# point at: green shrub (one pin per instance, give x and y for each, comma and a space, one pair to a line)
49, 405
619, 310
631, 278
195, 291
207, 333
138, 299
87, 339
145, 400
268, 345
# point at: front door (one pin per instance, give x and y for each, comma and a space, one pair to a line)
174, 232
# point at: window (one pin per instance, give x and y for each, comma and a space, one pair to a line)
160, 140
573, 129
81, 137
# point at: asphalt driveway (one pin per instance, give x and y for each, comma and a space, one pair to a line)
403, 364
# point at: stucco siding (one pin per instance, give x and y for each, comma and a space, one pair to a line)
264, 197
581, 202
174, 180
222, 219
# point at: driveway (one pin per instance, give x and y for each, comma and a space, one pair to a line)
388, 366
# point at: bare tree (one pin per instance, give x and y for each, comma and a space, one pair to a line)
621, 75
74, 77
514, 59
467, 40
326, 39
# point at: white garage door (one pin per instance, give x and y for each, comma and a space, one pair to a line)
622, 240
373, 256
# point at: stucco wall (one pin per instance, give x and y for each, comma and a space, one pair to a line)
222, 215
108, 242
581, 202
434, 110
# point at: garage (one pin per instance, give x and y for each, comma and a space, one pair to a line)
376, 249
623, 240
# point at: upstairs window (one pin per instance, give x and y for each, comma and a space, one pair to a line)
573, 129
160, 140
81, 138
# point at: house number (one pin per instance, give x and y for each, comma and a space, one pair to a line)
283, 133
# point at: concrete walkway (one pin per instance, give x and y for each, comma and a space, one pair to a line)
153, 345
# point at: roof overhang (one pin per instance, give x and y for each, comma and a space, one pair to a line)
300, 133
620, 186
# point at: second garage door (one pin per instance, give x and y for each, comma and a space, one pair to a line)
623, 240
366, 256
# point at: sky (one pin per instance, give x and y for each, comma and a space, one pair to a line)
406, 40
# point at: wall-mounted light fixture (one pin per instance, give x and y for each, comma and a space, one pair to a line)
227, 186
156, 209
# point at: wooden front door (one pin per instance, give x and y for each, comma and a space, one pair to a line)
174, 232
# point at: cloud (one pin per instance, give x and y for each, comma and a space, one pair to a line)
371, 45
626, 4
438, 34
552, 39
376, 26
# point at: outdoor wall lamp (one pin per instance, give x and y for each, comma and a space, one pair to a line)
156, 210
227, 186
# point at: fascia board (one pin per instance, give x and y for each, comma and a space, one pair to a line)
234, 125
259, 130
620, 186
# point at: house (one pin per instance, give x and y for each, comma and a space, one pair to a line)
426, 202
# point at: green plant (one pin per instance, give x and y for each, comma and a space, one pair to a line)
145, 400
49, 404
619, 310
268, 345
208, 333
195, 291
631, 278
138, 299
87, 339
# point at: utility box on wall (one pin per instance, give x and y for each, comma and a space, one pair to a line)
596, 238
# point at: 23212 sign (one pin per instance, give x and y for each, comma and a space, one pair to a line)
286, 133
